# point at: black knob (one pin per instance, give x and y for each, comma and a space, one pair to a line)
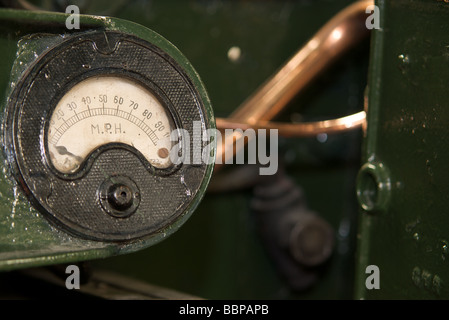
119, 196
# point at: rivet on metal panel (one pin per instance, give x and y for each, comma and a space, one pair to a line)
373, 187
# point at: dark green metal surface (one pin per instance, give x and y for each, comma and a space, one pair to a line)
406, 235
398, 221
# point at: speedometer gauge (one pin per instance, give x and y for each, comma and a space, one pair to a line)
90, 131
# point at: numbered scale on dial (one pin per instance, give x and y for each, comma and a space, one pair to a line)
105, 109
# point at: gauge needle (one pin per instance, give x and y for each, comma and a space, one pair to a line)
63, 151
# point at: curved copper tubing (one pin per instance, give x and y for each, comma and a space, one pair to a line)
338, 35
306, 129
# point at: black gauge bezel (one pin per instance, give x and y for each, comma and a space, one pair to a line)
70, 201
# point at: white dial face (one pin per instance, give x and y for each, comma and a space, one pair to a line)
108, 109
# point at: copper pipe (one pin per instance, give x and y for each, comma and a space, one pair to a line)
335, 38
307, 129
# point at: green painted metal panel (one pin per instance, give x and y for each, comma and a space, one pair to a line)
406, 235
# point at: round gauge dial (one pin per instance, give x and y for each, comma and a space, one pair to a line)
90, 129
108, 109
